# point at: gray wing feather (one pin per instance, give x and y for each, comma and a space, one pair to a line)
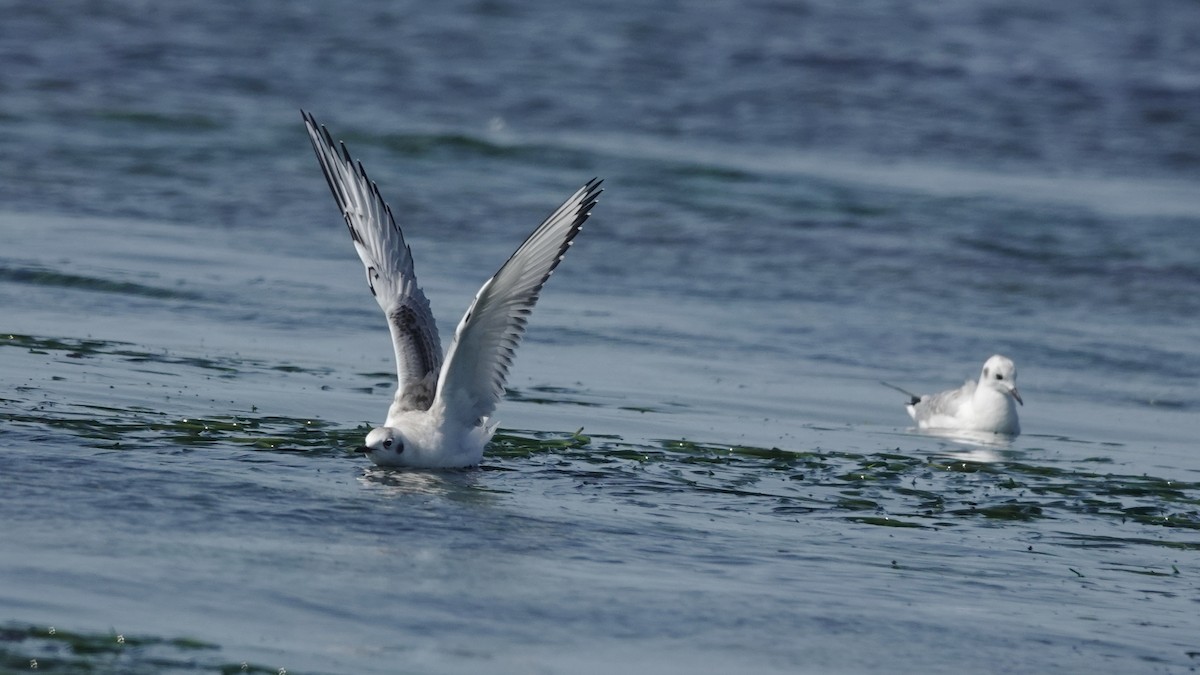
944, 403
389, 266
479, 358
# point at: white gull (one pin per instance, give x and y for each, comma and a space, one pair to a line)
988, 405
440, 416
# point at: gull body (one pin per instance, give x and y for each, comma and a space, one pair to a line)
440, 416
988, 404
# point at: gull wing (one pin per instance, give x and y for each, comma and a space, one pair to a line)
389, 264
944, 403
477, 363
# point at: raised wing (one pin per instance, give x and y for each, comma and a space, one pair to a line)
477, 363
389, 265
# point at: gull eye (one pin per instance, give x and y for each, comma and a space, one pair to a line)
387, 443
999, 376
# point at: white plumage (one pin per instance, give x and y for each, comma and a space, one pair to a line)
440, 416
987, 405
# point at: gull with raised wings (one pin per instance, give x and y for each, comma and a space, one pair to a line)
440, 416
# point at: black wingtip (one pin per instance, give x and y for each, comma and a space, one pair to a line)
913, 398
309, 119
591, 195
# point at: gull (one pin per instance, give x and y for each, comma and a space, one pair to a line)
440, 416
986, 405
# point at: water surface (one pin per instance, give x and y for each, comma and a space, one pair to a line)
697, 470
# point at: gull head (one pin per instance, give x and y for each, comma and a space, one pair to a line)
1000, 373
386, 446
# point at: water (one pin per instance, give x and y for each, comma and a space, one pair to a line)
697, 469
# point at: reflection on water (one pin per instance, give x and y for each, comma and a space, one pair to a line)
391, 481
977, 446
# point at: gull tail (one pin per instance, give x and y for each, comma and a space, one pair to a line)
913, 398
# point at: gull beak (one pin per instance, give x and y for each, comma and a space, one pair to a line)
366, 451
1016, 395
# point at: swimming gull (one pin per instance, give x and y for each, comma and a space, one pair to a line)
987, 405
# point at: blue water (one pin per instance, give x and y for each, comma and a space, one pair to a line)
697, 470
